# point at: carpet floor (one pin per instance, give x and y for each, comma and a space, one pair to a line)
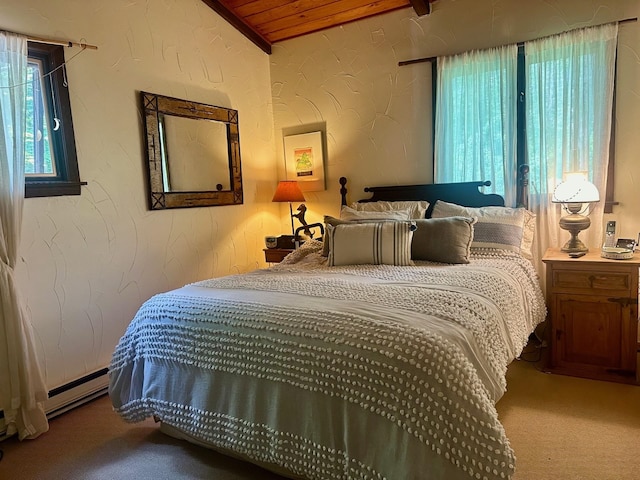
560, 428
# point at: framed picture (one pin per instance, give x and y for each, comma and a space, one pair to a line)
304, 160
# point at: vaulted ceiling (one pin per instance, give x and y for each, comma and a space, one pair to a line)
266, 22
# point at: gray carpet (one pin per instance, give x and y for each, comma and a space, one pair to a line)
560, 428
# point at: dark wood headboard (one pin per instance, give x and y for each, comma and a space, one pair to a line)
465, 193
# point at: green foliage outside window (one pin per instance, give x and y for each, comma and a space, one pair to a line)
38, 159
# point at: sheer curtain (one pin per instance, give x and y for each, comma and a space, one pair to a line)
475, 126
570, 79
22, 389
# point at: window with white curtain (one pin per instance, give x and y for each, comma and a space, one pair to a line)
482, 134
475, 125
569, 88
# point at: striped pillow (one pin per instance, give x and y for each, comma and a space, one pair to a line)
328, 220
384, 243
497, 227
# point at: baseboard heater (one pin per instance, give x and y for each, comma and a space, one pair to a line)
71, 395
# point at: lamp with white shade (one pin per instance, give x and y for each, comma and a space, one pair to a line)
573, 193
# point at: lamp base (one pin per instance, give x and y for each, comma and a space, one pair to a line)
574, 245
574, 224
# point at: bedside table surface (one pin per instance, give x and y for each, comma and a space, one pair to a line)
592, 256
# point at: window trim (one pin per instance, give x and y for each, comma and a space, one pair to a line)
67, 179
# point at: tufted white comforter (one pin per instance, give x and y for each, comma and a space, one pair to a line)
345, 372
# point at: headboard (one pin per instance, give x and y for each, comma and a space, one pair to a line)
464, 193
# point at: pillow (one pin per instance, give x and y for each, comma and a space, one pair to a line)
417, 209
328, 220
348, 213
497, 227
444, 240
526, 248
380, 243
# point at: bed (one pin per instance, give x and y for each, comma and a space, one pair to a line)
327, 366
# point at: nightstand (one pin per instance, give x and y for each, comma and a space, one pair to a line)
276, 255
593, 315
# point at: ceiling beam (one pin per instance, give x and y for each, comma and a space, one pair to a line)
240, 25
421, 7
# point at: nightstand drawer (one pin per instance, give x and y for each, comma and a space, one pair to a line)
595, 281
276, 255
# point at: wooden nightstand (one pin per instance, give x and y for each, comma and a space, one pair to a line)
276, 255
593, 315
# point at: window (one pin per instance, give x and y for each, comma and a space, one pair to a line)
543, 104
51, 165
476, 119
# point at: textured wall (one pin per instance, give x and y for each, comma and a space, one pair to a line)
378, 115
88, 262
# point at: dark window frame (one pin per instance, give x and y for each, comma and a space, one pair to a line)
67, 178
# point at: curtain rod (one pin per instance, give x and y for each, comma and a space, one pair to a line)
63, 43
431, 59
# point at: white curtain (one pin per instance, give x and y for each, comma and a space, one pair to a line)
22, 388
475, 126
569, 95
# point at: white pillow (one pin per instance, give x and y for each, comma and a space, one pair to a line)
348, 213
526, 248
497, 227
384, 243
417, 209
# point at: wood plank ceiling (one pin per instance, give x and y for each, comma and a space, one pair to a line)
266, 22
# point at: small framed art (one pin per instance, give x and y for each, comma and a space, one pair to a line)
304, 160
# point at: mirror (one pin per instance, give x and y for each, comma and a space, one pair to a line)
193, 153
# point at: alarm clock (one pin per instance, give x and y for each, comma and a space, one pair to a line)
271, 242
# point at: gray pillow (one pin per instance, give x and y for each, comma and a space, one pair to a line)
443, 240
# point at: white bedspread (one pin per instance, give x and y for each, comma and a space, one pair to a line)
343, 372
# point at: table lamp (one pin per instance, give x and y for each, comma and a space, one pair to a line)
289, 191
573, 193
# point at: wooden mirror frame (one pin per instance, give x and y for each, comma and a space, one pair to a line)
155, 106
